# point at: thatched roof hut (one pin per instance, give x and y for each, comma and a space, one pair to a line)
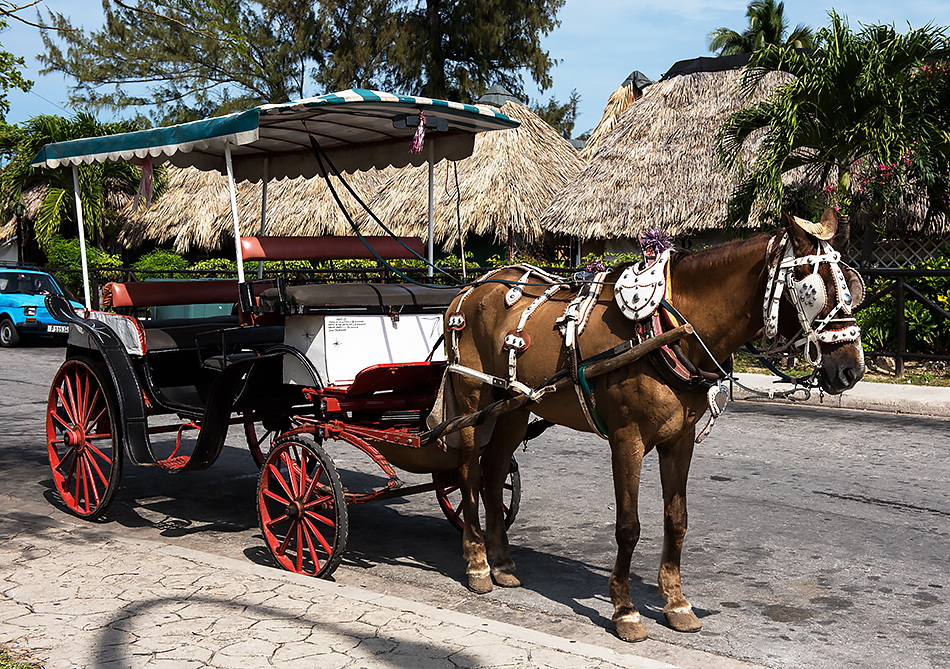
618, 102
195, 212
504, 186
658, 166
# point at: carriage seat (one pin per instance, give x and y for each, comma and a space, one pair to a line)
220, 333
357, 298
166, 293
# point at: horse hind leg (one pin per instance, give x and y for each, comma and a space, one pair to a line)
627, 461
674, 468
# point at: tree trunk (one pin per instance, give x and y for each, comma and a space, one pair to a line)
842, 240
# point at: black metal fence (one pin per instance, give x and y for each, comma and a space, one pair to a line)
903, 292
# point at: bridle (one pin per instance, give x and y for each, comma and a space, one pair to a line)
810, 297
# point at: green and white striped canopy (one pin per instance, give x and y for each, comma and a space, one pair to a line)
356, 128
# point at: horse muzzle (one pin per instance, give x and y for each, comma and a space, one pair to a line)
842, 366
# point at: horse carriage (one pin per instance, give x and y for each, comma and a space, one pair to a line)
419, 377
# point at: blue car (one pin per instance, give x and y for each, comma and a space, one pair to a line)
23, 305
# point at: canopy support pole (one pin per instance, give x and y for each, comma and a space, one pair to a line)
82, 238
431, 205
260, 263
234, 214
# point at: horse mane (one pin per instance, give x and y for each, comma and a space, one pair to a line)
710, 258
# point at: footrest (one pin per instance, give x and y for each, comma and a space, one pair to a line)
174, 463
219, 362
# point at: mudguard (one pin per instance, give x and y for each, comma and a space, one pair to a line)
125, 381
221, 398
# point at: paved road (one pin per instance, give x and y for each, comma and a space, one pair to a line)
818, 537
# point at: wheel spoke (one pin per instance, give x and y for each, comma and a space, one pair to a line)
320, 538
60, 420
291, 472
318, 517
91, 477
274, 496
91, 462
307, 530
299, 547
85, 406
290, 533
81, 479
277, 476
67, 406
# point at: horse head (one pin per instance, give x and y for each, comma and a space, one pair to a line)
823, 293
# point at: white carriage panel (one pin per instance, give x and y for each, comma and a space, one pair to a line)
304, 333
341, 346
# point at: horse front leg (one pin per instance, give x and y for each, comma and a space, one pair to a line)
674, 468
495, 464
473, 541
627, 460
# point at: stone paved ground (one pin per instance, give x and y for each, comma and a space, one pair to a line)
74, 595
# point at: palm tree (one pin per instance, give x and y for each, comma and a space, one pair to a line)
104, 187
767, 26
850, 99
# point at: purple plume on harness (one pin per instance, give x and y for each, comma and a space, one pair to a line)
654, 242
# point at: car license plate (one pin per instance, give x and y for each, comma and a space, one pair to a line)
58, 329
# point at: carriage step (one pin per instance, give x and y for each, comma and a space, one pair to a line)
174, 463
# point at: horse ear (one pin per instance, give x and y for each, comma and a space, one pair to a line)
802, 244
829, 223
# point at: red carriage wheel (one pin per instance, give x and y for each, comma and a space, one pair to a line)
301, 507
82, 436
260, 436
449, 494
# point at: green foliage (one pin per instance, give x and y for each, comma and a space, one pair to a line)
502, 260
202, 59
849, 100
11, 75
926, 332
8, 662
65, 253
160, 260
767, 25
211, 268
559, 116
593, 262
101, 185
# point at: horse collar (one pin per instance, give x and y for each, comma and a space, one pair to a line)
640, 287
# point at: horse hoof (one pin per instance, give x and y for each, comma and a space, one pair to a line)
480, 584
506, 579
631, 628
683, 620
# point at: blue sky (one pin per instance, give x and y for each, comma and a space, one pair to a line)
598, 43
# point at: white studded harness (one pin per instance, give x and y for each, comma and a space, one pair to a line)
810, 297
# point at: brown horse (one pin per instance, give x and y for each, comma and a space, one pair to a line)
720, 291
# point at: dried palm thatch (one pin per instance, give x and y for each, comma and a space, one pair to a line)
618, 102
504, 186
196, 210
32, 200
659, 166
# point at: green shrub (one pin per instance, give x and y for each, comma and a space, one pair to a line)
160, 264
927, 332
212, 268
65, 253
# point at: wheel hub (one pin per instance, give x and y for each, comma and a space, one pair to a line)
294, 509
75, 438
